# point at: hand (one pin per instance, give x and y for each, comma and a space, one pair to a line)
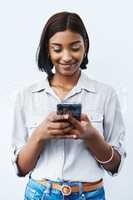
83, 129
55, 127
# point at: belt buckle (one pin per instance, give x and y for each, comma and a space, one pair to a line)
66, 190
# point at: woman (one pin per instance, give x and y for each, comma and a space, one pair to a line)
65, 157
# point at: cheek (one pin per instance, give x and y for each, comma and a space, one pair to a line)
79, 56
54, 58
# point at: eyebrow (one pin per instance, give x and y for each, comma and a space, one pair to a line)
58, 44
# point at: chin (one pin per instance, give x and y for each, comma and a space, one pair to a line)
69, 73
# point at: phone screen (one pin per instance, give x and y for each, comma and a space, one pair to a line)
72, 108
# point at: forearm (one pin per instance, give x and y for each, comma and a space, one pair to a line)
30, 153
102, 151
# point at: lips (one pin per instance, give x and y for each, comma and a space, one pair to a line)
69, 65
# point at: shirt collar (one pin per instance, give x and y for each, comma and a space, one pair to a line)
42, 85
84, 82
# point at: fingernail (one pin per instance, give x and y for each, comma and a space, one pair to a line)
65, 116
74, 136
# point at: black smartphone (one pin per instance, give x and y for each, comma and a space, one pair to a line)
72, 108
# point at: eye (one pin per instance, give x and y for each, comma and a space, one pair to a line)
75, 47
56, 49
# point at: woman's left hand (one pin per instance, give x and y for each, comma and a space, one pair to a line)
83, 129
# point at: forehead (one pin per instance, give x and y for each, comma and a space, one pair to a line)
66, 36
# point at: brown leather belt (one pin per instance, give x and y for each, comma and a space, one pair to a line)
67, 189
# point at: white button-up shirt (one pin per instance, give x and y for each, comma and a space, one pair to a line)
68, 159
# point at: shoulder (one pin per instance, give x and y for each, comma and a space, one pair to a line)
103, 87
98, 86
29, 90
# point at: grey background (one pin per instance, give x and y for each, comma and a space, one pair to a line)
110, 29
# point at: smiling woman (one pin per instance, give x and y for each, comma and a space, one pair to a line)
56, 25
66, 157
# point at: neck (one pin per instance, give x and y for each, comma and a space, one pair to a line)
65, 81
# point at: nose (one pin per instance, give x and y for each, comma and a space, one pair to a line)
66, 56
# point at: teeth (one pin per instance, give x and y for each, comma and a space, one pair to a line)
68, 64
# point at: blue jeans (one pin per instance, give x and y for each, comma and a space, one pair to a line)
36, 191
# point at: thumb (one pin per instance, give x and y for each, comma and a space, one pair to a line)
84, 117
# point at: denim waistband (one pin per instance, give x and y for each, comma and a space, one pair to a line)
36, 189
49, 187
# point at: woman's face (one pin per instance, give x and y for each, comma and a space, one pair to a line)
66, 51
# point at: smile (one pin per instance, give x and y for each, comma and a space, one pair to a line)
68, 65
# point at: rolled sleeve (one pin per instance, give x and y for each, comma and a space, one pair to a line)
114, 128
19, 131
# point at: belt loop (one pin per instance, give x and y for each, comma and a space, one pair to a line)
80, 188
48, 187
47, 190
82, 196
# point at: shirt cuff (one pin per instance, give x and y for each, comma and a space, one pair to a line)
15, 153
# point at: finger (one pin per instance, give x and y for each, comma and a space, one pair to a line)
61, 131
74, 132
76, 123
59, 125
57, 118
65, 137
71, 137
84, 117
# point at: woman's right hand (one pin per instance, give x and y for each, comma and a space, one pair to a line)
55, 126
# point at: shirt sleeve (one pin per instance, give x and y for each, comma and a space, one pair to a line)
19, 132
114, 128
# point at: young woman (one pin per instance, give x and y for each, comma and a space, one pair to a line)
65, 157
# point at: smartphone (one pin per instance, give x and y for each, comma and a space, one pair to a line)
72, 108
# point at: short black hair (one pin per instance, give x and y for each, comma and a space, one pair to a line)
60, 22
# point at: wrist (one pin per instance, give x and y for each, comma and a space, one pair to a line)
38, 136
109, 159
92, 133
